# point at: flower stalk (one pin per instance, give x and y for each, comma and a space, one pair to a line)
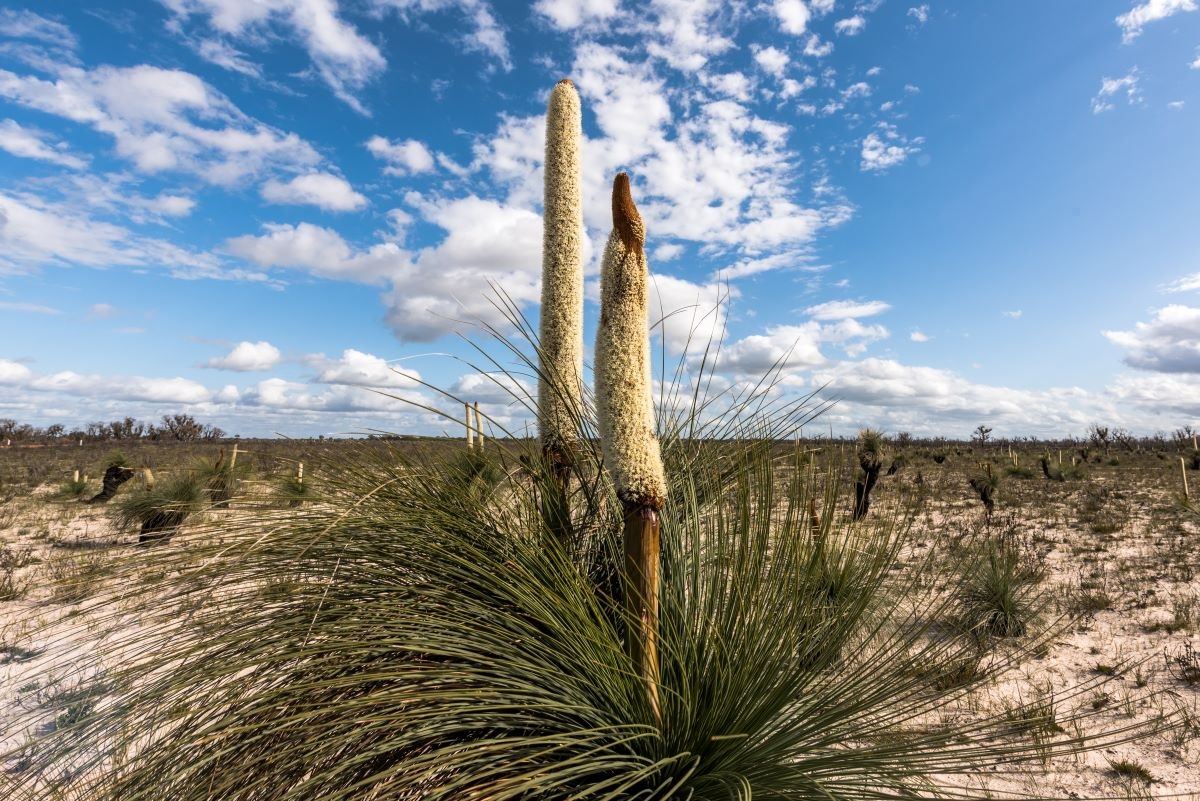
561, 325
625, 415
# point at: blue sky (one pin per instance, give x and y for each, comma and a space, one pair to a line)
262, 212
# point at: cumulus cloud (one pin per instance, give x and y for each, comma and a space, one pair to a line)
570, 14
319, 251
772, 60
886, 148
850, 26
247, 357
13, 372
356, 368
792, 348
163, 120
1169, 343
1111, 88
324, 190
31, 143
134, 388
917, 336
407, 157
793, 15
1141, 15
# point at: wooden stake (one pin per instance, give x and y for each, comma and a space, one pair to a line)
1183, 472
233, 457
1195, 447
300, 473
75, 478
470, 428
642, 543
1060, 457
478, 425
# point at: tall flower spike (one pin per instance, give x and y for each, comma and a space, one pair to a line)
625, 413
561, 334
624, 404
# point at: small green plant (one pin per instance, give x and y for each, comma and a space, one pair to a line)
71, 490
870, 461
1128, 769
1001, 591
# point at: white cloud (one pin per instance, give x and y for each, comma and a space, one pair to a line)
343, 58
814, 47
31, 143
13, 372
920, 13
793, 15
247, 357
917, 336
136, 388
163, 120
32, 308
688, 316
1132, 21
355, 368
687, 33
851, 26
24, 24
36, 232
221, 53
1111, 87
667, 251
486, 34
101, 311
319, 251
408, 157
569, 14
321, 189
772, 60
1189, 283
1195, 64
860, 89
846, 309
794, 348
172, 205
1015, 314
1170, 343
886, 148
1176, 105
792, 88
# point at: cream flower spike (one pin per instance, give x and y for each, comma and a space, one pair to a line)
624, 404
561, 334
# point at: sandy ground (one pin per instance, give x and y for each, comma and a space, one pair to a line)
1121, 557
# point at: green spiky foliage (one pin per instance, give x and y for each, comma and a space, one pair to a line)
414, 637
158, 512
71, 490
1001, 595
220, 479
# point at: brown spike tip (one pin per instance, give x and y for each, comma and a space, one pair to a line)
626, 220
567, 81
